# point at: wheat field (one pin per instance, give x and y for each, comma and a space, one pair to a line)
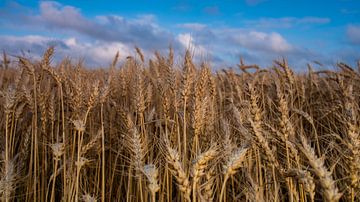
160, 130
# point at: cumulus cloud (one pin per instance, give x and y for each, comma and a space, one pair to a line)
245, 38
353, 34
227, 45
262, 41
95, 53
30, 46
188, 42
97, 39
142, 30
55, 15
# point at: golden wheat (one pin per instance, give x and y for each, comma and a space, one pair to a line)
170, 130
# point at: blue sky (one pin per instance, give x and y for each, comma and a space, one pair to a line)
221, 32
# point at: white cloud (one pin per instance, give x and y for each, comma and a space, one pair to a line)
185, 39
142, 30
263, 41
226, 46
70, 42
353, 33
98, 52
30, 45
95, 53
188, 42
33, 39
97, 39
56, 15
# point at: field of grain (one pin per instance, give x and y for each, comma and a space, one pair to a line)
161, 130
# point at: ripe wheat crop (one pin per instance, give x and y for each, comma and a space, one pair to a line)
164, 130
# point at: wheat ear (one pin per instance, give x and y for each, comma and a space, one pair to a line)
233, 163
152, 174
178, 171
330, 191
199, 165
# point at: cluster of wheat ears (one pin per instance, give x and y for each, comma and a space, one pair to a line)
161, 130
